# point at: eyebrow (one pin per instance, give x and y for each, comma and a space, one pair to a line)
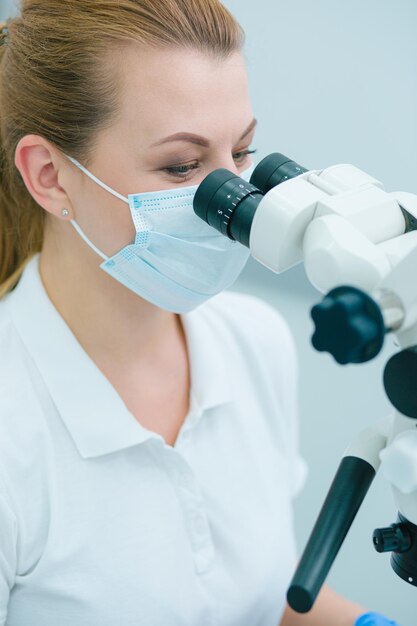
198, 139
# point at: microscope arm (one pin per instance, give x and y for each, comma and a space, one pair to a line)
346, 494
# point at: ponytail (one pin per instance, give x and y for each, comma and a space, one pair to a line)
21, 219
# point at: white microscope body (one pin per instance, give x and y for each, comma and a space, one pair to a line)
349, 232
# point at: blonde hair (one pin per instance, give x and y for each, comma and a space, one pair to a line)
55, 82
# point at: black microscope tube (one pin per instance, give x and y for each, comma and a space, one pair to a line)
346, 494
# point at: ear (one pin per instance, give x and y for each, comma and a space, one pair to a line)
41, 165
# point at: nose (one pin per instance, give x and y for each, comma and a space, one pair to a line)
216, 165
228, 163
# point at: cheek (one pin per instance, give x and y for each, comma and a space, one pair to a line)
118, 230
106, 221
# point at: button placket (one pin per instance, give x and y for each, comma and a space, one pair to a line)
193, 506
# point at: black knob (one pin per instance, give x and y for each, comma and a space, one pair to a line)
400, 377
394, 538
349, 325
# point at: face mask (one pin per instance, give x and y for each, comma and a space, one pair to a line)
177, 261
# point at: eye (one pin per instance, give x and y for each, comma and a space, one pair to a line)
183, 170
241, 156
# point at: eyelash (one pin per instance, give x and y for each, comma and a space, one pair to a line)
173, 170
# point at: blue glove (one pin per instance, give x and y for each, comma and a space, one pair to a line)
374, 619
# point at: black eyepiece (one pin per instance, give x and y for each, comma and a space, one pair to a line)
228, 203
273, 170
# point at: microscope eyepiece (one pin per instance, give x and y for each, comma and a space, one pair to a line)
228, 203
274, 169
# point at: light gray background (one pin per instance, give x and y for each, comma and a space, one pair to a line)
335, 82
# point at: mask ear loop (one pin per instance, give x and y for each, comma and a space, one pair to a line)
87, 241
97, 180
74, 223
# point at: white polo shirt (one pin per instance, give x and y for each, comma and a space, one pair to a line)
101, 522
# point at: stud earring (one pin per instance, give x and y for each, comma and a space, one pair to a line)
64, 212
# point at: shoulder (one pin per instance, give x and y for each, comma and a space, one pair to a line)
13, 361
11, 349
25, 448
248, 310
21, 417
252, 340
265, 346
7, 329
250, 320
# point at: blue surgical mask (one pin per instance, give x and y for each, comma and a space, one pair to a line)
177, 261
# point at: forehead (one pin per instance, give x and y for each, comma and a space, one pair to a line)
169, 90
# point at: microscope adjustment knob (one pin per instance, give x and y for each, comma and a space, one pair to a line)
394, 538
349, 325
400, 377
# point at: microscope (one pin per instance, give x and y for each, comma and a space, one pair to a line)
358, 244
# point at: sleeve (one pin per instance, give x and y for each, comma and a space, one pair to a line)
8, 554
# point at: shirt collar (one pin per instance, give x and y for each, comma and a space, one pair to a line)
93, 412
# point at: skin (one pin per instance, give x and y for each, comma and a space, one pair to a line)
133, 342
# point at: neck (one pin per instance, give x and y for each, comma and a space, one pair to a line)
109, 321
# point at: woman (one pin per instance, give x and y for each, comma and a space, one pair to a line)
148, 450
